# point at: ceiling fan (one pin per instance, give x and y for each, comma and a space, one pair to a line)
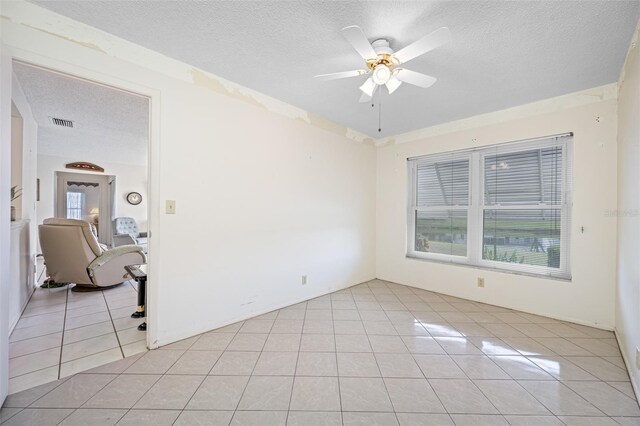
385, 66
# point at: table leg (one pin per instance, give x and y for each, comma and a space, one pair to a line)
140, 311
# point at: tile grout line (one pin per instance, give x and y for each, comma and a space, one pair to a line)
379, 369
336, 357
64, 323
446, 412
235, 410
203, 380
113, 325
78, 408
150, 387
295, 370
422, 372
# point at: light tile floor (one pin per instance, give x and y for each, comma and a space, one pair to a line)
61, 333
377, 353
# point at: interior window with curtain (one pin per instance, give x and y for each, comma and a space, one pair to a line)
505, 206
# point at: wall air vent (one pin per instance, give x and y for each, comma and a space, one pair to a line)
61, 122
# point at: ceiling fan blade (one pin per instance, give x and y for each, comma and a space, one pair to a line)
358, 40
343, 74
415, 78
425, 44
366, 98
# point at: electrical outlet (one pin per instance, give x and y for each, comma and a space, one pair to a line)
637, 357
170, 207
481, 282
304, 280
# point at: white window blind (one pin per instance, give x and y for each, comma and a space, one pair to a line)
441, 205
505, 206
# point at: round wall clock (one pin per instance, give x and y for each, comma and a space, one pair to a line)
134, 198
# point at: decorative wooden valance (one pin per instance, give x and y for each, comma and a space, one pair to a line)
92, 184
82, 165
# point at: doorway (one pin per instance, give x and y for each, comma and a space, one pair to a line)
87, 197
60, 333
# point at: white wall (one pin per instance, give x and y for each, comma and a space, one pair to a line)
23, 233
588, 298
29, 158
128, 178
628, 284
261, 201
22, 282
265, 192
16, 159
5, 184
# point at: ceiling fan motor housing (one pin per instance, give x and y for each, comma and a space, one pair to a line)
381, 46
384, 52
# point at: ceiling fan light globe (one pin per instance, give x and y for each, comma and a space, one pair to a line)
381, 74
393, 84
369, 86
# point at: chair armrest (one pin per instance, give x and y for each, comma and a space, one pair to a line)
123, 239
142, 234
114, 253
108, 268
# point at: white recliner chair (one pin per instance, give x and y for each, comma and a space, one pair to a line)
72, 254
125, 231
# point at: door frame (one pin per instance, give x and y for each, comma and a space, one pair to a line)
13, 53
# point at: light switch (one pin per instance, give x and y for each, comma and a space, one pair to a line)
171, 207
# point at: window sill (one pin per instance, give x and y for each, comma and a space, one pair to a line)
486, 268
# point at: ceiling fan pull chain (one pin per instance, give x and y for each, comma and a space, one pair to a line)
379, 116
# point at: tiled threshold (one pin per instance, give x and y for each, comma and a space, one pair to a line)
373, 354
61, 333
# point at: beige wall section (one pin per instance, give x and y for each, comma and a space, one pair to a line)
588, 298
628, 286
263, 195
128, 178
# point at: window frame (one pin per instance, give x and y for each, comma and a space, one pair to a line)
476, 206
413, 209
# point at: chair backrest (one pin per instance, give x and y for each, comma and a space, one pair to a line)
125, 225
68, 246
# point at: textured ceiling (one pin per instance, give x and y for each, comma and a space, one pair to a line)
109, 125
503, 54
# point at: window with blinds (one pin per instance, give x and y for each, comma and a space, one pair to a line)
505, 206
441, 205
75, 205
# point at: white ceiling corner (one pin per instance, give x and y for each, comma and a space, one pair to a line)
503, 53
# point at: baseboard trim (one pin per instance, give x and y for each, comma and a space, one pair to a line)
14, 322
253, 315
542, 314
628, 365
